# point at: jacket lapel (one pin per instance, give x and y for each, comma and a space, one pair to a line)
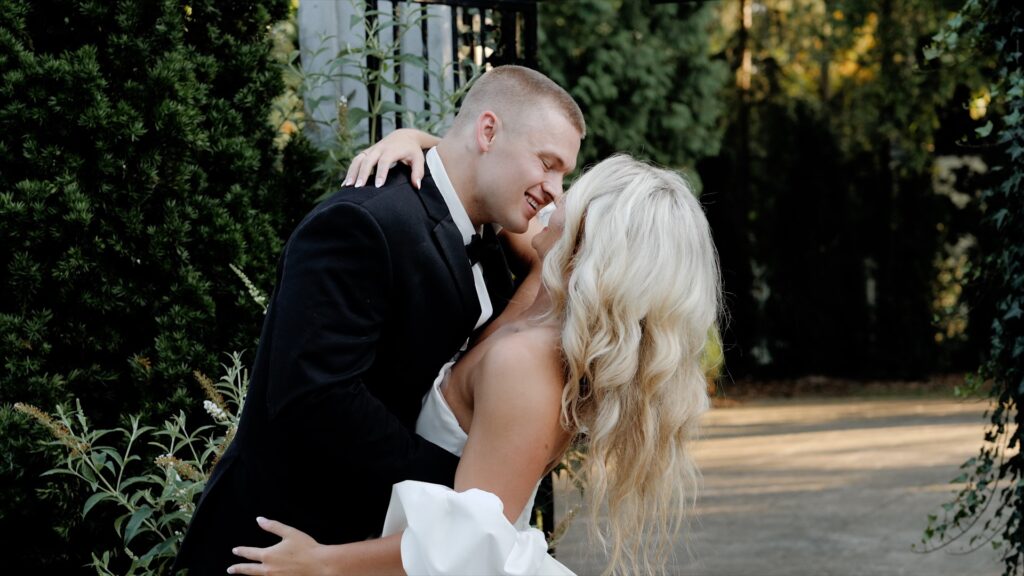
449, 243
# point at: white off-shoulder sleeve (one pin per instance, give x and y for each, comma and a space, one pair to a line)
449, 533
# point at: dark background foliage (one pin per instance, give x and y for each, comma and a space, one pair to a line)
829, 223
136, 163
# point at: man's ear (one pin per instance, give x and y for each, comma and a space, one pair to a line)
487, 127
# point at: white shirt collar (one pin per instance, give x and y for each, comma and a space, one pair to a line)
444, 185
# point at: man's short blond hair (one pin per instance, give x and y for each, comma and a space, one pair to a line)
511, 92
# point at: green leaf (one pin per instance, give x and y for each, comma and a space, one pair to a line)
357, 115
135, 522
88, 475
985, 130
412, 59
163, 549
1014, 312
59, 471
388, 106
94, 500
131, 481
98, 459
999, 217
119, 521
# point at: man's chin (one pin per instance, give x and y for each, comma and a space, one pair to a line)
517, 227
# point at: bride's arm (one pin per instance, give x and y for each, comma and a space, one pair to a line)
515, 432
297, 554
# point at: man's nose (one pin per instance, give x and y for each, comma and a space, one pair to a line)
553, 189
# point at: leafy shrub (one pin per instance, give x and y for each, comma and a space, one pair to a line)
156, 499
136, 163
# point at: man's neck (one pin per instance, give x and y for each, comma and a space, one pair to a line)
459, 169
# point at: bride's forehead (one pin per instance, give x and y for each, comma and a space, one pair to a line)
544, 216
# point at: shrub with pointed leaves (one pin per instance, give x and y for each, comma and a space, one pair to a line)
136, 162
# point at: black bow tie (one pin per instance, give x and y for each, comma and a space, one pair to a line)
479, 248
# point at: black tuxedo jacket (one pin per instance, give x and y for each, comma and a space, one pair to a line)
374, 293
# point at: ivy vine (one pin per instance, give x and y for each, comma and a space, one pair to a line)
987, 509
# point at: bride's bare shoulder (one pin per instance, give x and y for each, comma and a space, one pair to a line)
531, 351
522, 372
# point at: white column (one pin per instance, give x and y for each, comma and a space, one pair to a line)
326, 27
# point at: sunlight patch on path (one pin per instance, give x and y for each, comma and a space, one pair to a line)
837, 486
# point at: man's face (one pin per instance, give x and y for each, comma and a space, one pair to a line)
523, 170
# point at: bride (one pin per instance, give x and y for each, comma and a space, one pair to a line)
603, 340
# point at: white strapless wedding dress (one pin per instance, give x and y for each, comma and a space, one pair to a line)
449, 533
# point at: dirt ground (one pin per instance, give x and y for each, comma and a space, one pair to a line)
836, 485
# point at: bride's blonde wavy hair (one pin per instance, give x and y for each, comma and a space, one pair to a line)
634, 280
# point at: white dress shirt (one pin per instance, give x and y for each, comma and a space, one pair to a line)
465, 226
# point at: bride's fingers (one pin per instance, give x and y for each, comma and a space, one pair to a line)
381, 159
391, 158
370, 158
254, 569
275, 527
384, 165
353, 169
249, 553
417, 170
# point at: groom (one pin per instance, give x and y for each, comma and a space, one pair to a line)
375, 291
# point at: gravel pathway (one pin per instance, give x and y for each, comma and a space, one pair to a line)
820, 487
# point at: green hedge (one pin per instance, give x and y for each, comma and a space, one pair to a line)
136, 164
643, 75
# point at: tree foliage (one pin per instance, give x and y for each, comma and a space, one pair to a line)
642, 74
823, 201
989, 506
136, 164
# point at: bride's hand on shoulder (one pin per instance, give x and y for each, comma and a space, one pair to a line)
404, 145
297, 554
